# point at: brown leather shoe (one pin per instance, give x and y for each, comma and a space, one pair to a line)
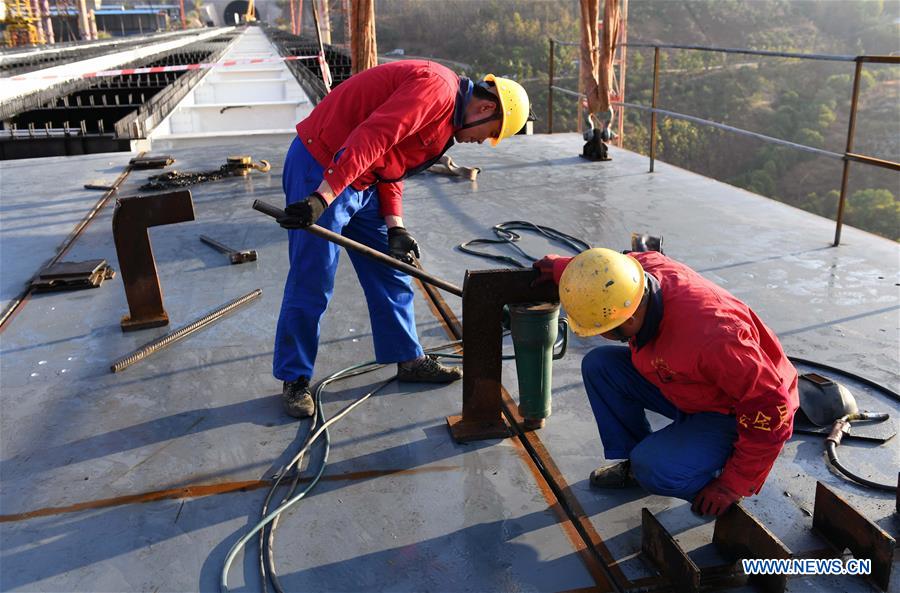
297, 399
428, 370
617, 475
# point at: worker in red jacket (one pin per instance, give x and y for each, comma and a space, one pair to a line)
344, 171
695, 354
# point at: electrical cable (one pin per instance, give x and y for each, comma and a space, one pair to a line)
346, 373
506, 234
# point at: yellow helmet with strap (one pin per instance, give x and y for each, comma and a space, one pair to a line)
514, 106
600, 289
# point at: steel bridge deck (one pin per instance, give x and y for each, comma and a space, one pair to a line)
402, 507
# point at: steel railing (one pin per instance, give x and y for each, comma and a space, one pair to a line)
847, 156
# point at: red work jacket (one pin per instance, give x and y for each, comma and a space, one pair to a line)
383, 121
711, 353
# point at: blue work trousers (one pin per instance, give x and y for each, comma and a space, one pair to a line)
677, 460
314, 261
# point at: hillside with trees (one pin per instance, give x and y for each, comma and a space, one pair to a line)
802, 101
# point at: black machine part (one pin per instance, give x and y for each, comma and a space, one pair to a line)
643, 242
824, 401
73, 275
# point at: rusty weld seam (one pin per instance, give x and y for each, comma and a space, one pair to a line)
590, 546
19, 301
203, 490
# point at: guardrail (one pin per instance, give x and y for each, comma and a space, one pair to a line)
847, 156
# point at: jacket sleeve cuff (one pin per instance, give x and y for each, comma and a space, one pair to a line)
736, 483
335, 178
390, 199
559, 266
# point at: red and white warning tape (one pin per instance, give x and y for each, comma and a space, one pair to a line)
178, 68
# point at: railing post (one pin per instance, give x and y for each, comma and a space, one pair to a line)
550, 89
851, 130
653, 105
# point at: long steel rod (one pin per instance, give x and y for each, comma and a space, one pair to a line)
653, 113
739, 131
182, 332
750, 52
550, 88
343, 241
754, 52
868, 160
845, 173
802, 147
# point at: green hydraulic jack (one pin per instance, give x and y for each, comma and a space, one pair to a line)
535, 328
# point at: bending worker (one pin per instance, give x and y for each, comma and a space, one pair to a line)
344, 171
695, 354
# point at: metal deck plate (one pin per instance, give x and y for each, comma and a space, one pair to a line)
402, 506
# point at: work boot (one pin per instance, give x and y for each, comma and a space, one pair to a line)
297, 399
617, 475
428, 370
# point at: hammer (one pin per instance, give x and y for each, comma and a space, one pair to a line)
236, 257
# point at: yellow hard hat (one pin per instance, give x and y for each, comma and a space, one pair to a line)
600, 289
514, 104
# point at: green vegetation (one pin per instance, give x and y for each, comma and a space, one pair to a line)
802, 101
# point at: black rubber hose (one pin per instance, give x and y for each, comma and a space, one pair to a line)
831, 450
267, 534
506, 235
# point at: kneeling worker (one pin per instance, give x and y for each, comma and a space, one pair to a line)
695, 354
344, 171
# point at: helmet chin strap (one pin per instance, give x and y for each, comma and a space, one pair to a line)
619, 335
498, 109
484, 120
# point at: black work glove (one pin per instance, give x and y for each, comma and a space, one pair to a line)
401, 244
303, 213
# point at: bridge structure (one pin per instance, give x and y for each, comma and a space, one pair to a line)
225, 11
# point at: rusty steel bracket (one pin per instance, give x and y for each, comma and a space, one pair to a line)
739, 535
131, 218
485, 292
667, 556
844, 527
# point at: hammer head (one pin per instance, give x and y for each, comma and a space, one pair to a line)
239, 257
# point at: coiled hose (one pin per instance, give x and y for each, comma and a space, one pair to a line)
833, 441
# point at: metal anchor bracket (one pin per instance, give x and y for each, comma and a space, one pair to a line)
131, 219
485, 292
